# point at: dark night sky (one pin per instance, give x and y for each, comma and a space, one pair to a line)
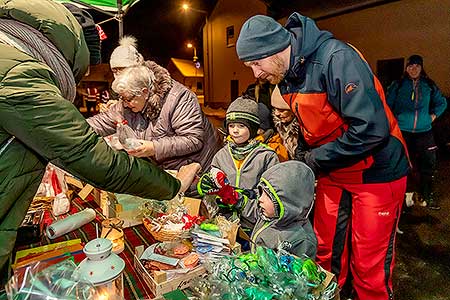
161, 27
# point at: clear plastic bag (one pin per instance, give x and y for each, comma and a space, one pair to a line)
54, 282
53, 182
127, 137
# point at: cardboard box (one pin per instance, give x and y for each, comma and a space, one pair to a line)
328, 280
84, 189
158, 289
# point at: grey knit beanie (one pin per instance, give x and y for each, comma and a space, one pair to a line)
126, 54
260, 37
244, 111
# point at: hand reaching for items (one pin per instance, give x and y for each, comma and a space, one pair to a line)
105, 106
186, 175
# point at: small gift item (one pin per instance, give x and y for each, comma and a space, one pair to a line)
103, 269
112, 230
169, 224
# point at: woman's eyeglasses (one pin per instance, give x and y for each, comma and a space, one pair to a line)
129, 100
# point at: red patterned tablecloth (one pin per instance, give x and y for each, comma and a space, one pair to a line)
135, 287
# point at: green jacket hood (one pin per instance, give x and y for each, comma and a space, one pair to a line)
57, 24
291, 184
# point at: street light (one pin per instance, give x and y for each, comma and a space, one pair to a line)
189, 45
186, 7
207, 64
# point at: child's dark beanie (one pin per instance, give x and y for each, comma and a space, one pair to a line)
243, 111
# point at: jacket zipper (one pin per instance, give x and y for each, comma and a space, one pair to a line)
254, 236
238, 171
415, 96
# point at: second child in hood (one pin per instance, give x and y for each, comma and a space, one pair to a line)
280, 213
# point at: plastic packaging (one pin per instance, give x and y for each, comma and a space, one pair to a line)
60, 205
53, 182
58, 281
264, 275
127, 137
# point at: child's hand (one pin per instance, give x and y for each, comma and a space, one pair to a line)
215, 182
219, 177
206, 185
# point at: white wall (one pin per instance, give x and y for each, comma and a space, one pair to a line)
399, 29
224, 64
392, 30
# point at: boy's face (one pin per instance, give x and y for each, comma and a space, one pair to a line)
266, 204
239, 132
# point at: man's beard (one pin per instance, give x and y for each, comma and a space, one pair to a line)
278, 72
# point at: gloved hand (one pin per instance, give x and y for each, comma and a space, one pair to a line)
206, 185
307, 158
215, 182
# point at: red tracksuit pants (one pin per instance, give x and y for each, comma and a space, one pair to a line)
355, 226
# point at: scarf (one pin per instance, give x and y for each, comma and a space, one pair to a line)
32, 42
289, 134
240, 152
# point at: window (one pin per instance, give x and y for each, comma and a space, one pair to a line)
389, 70
230, 36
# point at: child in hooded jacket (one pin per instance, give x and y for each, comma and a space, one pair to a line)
243, 158
241, 162
280, 212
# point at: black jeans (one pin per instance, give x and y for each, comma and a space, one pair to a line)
422, 153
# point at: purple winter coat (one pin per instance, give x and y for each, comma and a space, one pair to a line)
181, 133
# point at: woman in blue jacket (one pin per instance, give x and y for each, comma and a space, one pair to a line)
416, 102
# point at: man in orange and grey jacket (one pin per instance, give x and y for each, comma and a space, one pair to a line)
349, 137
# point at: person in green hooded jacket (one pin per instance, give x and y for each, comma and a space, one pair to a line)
44, 53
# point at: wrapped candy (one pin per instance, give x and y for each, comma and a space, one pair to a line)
264, 275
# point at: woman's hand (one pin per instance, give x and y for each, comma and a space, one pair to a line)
433, 117
146, 149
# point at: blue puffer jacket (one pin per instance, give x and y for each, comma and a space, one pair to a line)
413, 104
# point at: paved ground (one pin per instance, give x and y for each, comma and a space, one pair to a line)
423, 251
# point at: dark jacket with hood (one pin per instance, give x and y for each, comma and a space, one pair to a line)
173, 120
37, 125
341, 108
291, 186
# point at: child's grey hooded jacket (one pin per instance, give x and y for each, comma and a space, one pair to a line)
291, 185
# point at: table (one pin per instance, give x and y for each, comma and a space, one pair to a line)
135, 287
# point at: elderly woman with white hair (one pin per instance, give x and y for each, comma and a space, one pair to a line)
165, 116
